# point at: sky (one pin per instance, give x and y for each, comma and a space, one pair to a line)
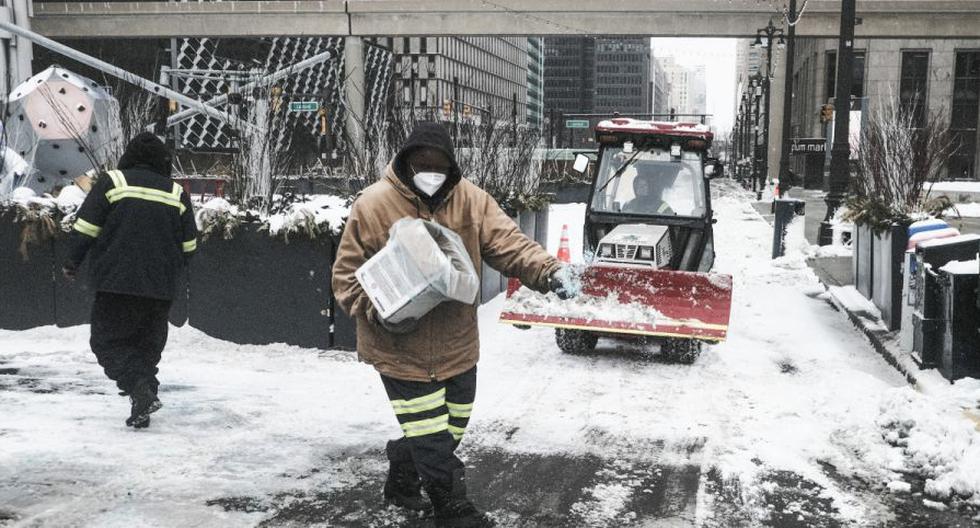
718, 57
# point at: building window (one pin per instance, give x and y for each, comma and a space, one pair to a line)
914, 84
966, 114
857, 86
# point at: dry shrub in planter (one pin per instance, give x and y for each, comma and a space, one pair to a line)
896, 159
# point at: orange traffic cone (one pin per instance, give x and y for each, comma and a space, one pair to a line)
564, 253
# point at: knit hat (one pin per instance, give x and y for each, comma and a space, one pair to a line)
148, 151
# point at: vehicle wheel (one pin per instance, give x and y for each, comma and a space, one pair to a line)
575, 341
683, 351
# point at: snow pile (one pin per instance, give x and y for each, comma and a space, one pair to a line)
965, 210
321, 212
70, 198
923, 437
959, 267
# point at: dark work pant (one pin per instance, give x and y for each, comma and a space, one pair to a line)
433, 417
128, 336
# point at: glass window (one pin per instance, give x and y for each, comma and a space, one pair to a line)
914, 83
966, 113
857, 86
652, 184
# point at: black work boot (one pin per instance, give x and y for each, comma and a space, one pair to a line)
403, 487
451, 507
144, 402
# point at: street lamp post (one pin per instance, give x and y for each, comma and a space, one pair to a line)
840, 152
791, 20
756, 98
768, 32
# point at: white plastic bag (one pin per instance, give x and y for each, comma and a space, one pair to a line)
423, 264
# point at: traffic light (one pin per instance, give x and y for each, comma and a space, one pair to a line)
322, 116
466, 110
275, 96
447, 107
172, 106
826, 113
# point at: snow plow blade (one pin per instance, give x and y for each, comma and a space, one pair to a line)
636, 301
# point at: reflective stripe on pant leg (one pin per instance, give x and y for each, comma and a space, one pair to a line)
459, 417
420, 404
426, 426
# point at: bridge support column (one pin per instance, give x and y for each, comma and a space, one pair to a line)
24, 50
354, 95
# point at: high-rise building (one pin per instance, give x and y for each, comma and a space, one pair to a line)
698, 103
535, 81
569, 74
688, 87
586, 75
659, 87
473, 77
748, 60
622, 76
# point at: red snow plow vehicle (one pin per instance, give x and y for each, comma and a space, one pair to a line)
649, 246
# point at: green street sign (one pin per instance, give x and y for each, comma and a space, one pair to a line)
304, 106
576, 123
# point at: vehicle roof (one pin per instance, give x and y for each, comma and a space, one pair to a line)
666, 128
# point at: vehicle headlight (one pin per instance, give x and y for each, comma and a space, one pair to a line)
606, 250
646, 253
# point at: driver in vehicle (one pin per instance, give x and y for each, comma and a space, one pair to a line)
648, 189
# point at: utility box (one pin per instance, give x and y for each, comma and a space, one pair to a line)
961, 336
928, 318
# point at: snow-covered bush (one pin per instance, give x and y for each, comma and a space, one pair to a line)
896, 157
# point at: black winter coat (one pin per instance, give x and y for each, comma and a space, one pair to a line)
138, 229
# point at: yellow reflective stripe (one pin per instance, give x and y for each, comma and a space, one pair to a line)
143, 193
457, 432
460, 410
420, 404
424, 427
87, 228
118, 180
190, 245
664, 207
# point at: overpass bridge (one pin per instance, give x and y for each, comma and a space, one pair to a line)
354, 19
367, 18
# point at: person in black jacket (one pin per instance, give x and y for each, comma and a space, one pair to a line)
137, 228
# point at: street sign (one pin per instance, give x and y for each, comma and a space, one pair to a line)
576, 123
808, 145
304, 106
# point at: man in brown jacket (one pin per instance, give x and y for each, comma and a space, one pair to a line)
428, 366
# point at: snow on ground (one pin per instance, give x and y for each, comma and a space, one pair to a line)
795, 390
965, 210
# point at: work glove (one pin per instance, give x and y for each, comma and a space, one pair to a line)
559, 284
70, 271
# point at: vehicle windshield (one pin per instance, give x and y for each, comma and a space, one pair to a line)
652, 184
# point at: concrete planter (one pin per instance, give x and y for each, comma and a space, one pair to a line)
888, 250
863, 260
257, 289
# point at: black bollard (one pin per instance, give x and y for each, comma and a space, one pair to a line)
786, 210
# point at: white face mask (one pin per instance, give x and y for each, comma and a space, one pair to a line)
429, 182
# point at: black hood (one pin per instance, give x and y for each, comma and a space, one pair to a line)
147, 151
432, 135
